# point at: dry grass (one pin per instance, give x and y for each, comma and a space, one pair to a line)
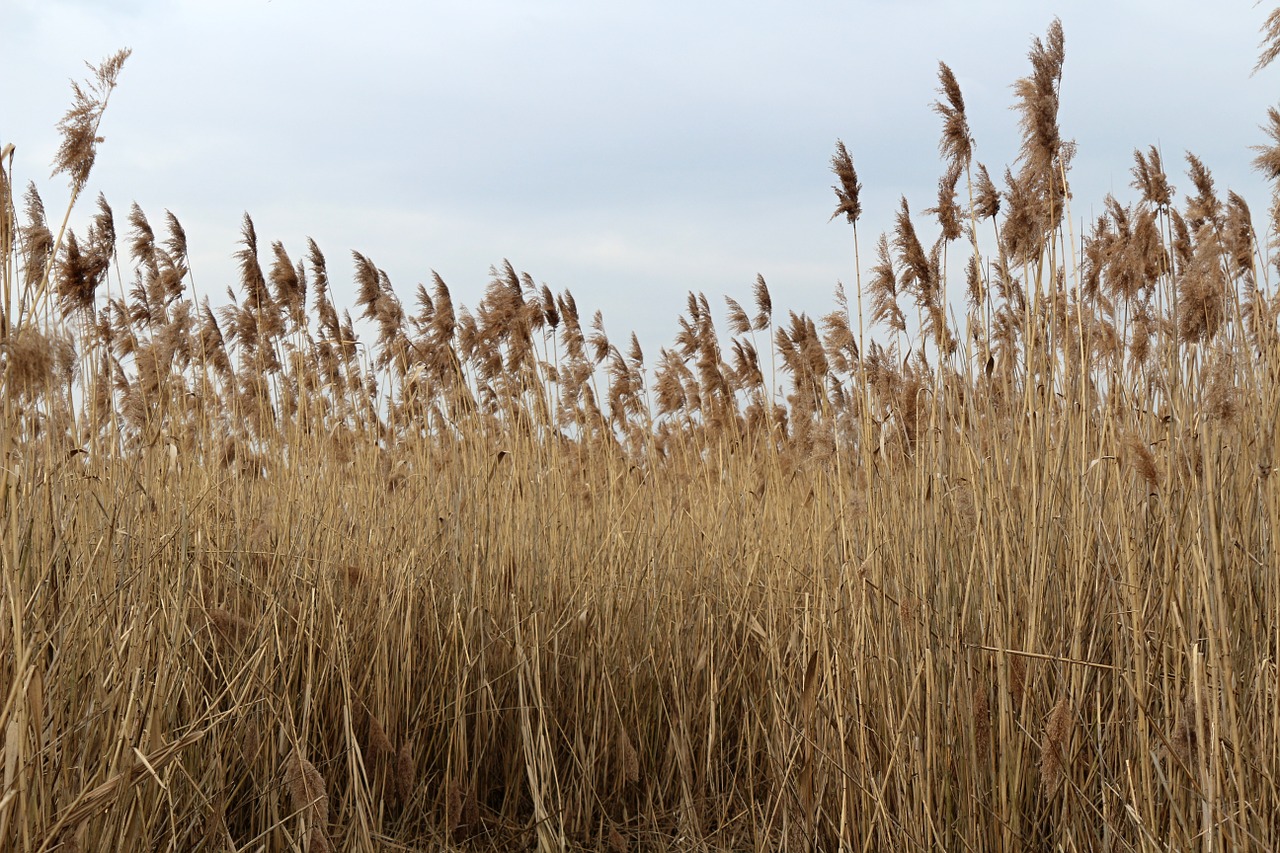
491, 581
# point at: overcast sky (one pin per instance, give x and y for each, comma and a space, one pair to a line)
630, 152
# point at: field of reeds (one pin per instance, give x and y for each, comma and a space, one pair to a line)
982, 560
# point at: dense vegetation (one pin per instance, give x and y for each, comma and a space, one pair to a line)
983, 561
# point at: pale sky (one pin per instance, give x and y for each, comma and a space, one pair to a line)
630, 152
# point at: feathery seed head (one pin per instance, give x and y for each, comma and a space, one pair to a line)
849, 189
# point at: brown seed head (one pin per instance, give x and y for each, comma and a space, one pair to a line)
228, 626
1150, 179
1017, 680
1054, 748
981, 705
405, 778
764, 305
956, 145
1139, 456
849, 189
986, 198
307, 796
628, 758
1270, 45
947, 211
79, 127
379, 744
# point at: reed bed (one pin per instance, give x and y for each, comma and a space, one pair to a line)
918, 574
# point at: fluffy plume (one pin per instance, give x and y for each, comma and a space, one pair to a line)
330, 327
947, 211
76, 283
290, 285
1268, 159
1149, 178
1188, 737
1270, 45
79, 127
1138, 455
739, 322
37, 364
848, 190
261, 310
883, 289
1202, 292
406, 777
1204, 206
975, 287
1037, 96
956, 145
986, 199
1037, 195
764, 305
1054, 748
37, 240
1238, 238
308, 798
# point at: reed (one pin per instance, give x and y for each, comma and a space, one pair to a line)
996, 573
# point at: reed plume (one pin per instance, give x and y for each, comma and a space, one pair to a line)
956, 144
308, 799
1150, 179
1055, 749
883, 288
79, 127
986, 202
1270, 46
849, 190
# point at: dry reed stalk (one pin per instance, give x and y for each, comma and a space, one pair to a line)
1017, 680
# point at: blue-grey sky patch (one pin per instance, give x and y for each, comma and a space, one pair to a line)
628, 152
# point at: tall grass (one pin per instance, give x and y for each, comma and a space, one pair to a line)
1005, 581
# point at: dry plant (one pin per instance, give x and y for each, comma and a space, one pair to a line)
491, 579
